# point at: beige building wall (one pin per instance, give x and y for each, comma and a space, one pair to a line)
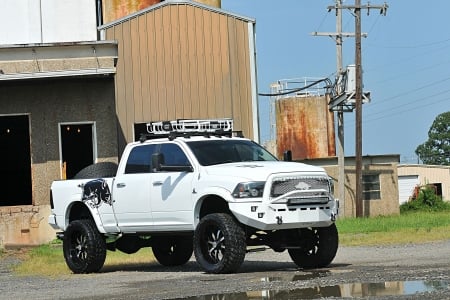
429, 174
383, 165
184, 61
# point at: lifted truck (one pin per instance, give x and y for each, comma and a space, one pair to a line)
195, 186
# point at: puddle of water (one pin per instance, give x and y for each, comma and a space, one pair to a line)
391, 288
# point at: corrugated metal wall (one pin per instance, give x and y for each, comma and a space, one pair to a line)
183, 61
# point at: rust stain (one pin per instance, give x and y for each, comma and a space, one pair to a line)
116, 9
306, 127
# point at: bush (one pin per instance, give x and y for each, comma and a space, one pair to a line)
427, 200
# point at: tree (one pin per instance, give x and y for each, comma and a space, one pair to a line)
436, 150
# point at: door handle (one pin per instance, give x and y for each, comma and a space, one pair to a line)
157, 183
121, 185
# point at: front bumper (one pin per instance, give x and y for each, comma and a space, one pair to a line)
281, 216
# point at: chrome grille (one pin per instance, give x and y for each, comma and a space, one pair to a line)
281, 186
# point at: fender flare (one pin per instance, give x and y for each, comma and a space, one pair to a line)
210, 191
93, 212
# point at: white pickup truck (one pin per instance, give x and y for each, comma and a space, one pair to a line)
194, 186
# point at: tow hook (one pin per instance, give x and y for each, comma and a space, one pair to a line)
279, 220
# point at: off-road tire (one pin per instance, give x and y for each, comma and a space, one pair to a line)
172, 250
84, 247
318, 247
98, 170
219, 244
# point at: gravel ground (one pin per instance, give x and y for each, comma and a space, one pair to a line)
413, 271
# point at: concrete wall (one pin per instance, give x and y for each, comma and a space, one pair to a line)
384, 165
49, 102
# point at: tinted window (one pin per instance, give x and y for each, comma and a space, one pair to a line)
174, 155
140, 159
227, 151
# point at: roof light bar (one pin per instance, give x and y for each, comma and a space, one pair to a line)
185, 126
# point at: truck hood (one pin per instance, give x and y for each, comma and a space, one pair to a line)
261, 170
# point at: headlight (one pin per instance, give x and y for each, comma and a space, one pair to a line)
249, 189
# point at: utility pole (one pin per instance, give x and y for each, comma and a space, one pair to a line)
358, 111
340, 104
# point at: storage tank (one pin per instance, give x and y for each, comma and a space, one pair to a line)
305, 126
116, 9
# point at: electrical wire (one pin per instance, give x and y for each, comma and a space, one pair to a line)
299, 89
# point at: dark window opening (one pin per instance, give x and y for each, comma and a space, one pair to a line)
371, 187
139, 128
15, 161
76, 147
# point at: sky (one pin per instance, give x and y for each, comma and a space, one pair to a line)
405, 62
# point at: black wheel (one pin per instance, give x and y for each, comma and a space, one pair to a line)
84, 247
219, 244
318, 247
98, 170
172, 251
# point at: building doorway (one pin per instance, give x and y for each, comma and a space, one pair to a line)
15, 160
77, 146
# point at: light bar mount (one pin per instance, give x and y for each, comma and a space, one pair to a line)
188, 128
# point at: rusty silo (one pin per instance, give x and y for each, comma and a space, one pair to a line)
305, 126
116, 9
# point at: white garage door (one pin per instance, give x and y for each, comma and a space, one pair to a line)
406, 185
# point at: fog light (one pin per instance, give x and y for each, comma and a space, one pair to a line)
260, 215
253, 208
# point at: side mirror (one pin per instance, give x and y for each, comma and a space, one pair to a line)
157, 161
159, 166
287, 155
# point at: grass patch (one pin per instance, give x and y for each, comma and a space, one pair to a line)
48, 260
410, 227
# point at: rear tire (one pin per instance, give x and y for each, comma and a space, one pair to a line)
219, 244
172, 251
98, 170
84, 247
318, 247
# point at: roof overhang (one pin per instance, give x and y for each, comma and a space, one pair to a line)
33, 61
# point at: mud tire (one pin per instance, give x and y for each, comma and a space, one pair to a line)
172, 251
98, 170
219, 244
318, 247
84, 247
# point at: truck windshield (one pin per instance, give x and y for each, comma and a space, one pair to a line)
216, 152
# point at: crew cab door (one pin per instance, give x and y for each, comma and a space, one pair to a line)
132, 190
172, 207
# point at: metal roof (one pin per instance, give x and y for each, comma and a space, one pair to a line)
175, 2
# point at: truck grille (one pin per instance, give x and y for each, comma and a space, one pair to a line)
307, 190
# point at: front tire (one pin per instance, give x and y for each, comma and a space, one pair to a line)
219, 244
84, 247
172, 251
318, 247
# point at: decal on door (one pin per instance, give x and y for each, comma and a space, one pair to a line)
95, 192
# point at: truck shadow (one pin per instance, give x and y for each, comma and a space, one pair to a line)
193, 267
